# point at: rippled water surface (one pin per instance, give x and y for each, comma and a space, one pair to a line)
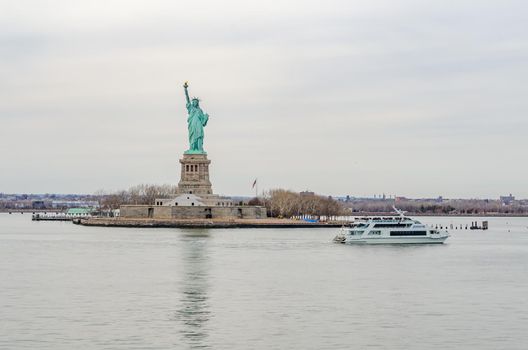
69, 287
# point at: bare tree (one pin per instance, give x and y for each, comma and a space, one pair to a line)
284, 203
139, 194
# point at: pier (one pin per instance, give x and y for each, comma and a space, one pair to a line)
51, 217
474, 226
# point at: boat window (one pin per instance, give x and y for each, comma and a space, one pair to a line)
391, 225
374, 233
358, 225
356, 233
408, 233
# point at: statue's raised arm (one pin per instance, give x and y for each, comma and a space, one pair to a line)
185, 86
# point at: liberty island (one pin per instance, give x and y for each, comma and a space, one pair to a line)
195, 204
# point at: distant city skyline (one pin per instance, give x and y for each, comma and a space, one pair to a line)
416, 99
508, 198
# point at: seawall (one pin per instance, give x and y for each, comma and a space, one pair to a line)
201, 223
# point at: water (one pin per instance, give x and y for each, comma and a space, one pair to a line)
64, 286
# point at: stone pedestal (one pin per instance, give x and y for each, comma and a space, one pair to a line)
195, 175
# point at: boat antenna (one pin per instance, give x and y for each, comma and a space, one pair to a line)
401, 213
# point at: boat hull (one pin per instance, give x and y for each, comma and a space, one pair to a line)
392, 240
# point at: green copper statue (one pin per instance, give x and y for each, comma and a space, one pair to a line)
196, 121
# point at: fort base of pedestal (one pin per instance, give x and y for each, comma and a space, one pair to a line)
195, 198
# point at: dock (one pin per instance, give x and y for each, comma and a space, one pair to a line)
48, 217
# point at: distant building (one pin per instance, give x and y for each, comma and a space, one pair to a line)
507, 200
74, 204
185, 199
79, 212
38, 205
307, 193
23, 204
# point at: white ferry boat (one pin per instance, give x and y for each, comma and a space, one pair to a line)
390, 230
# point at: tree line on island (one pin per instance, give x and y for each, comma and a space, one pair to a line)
285, 203
278, 202
140, 194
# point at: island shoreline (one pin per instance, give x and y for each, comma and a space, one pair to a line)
197, 223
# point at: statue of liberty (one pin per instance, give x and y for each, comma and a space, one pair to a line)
196, 121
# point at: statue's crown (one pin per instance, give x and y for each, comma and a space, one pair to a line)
196, 98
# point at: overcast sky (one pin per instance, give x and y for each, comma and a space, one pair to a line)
413, 98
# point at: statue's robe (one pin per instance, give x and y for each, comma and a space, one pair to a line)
196, 122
